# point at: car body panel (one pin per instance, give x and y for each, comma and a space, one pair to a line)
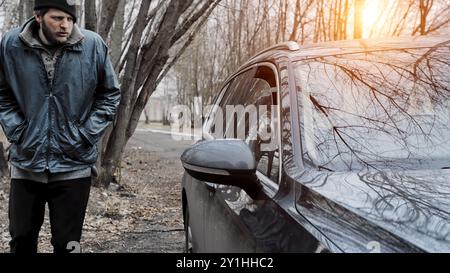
406, 218
237, 223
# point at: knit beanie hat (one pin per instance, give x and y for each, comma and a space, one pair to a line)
68, 6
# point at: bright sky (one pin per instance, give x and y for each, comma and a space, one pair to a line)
372, 13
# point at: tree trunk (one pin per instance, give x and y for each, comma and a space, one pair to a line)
359, 4
147, 117
117, 33
425, 7
297, 21
28, 9
25, 10
108, 12
116, 141
90, 15
12, 20
21, 9
423, 17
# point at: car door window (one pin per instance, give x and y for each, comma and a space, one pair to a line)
218, 125
215, 115
249, 113
264, 144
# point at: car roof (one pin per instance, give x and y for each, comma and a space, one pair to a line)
294, 51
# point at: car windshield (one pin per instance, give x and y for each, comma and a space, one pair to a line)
387, 109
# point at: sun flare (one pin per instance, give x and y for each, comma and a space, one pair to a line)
371, 13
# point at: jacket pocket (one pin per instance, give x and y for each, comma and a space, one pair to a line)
74, 146
28, 143
19, 132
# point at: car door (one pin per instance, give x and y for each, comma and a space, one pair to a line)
222, 231
249, 110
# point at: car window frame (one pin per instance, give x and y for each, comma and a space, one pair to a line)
270, 187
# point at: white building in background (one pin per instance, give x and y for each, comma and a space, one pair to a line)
157, 109
161, 101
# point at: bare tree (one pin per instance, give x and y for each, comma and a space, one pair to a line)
118, 33
432, 21
10, 13
147, 117
146, 58
300, 20
410, 17
424, 8
25, 10
90, 10
108, 11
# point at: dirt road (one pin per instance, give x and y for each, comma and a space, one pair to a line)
164, 231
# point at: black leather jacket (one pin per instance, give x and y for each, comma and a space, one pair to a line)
56, 127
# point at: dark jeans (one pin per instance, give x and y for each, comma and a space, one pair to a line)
67, 201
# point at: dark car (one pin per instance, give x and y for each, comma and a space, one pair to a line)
335, 147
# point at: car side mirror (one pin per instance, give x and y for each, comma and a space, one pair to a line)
225, 162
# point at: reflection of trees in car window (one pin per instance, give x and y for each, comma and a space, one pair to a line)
249, 113
265, 141
384, 109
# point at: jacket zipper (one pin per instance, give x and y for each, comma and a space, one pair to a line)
50, 110
50, 88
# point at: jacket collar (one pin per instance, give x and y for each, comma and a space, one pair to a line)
29, 36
